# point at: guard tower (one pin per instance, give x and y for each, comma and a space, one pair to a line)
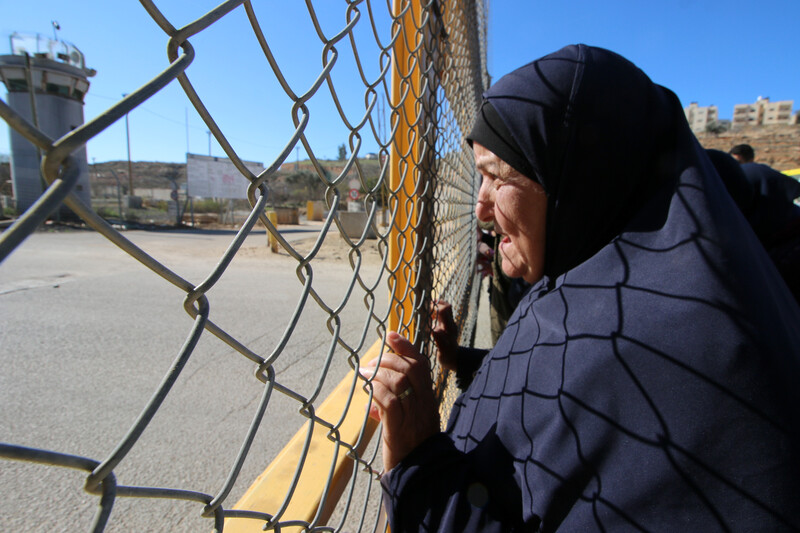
46, 80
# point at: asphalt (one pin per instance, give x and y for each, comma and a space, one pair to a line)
88, 334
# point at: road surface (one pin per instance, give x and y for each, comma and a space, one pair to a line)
87, 334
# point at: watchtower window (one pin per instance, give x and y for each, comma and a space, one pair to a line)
17, 85
57, 89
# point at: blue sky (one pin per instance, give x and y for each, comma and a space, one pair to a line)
714, 52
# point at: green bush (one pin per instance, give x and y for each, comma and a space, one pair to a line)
207, 205
107, 212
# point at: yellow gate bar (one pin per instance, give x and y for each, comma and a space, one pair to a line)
404, 172
268, 491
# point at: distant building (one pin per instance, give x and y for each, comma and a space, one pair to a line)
763, 113
700, 117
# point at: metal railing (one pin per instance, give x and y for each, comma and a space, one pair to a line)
431, 71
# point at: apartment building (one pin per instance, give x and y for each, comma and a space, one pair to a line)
763, 112
700, 117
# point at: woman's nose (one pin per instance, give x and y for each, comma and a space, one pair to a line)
484, 209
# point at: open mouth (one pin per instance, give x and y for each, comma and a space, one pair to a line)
504, 241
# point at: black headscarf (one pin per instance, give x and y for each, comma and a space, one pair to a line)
652, 383
490, 131
588, 149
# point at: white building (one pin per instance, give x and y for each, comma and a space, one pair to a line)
763, 113
700, 117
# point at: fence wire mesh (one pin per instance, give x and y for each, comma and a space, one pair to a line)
426, 60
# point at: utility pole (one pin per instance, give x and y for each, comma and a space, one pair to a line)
130, 167
186, 110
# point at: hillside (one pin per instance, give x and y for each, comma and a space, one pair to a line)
776, 146
146, 174
155, 175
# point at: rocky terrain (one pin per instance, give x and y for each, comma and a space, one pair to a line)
776, 146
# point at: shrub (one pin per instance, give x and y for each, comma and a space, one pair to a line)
207, 205
107, 212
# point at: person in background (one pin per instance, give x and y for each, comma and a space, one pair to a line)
766, 199
773, 186
776, 218
743, 153
647, 381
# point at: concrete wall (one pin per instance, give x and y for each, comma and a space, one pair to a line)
354, 222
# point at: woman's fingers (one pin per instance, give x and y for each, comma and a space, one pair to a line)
444, 314
402, 398
403, 358
443, 318
441, 306
445, 334
402, 377
394, 381
389, 381
389, 361
401, 345
390, 388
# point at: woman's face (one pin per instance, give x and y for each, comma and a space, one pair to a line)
517, 205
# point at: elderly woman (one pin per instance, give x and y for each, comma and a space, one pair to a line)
649, 379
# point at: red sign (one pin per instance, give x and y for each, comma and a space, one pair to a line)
353, 194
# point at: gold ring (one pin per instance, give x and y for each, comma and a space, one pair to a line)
406, 393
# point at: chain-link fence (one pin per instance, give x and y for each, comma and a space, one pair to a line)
427, 61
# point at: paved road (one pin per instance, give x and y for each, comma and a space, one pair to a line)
86, 336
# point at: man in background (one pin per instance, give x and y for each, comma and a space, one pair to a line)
743, 153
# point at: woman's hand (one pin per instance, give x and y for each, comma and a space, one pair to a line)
402, 398
484, 259
445, 334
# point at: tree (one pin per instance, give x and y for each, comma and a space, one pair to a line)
5, 178
379, 194
309, 182
342, 152
716, 127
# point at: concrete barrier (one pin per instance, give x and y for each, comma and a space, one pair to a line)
354, 222
315, 210
287, 215
201, 218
